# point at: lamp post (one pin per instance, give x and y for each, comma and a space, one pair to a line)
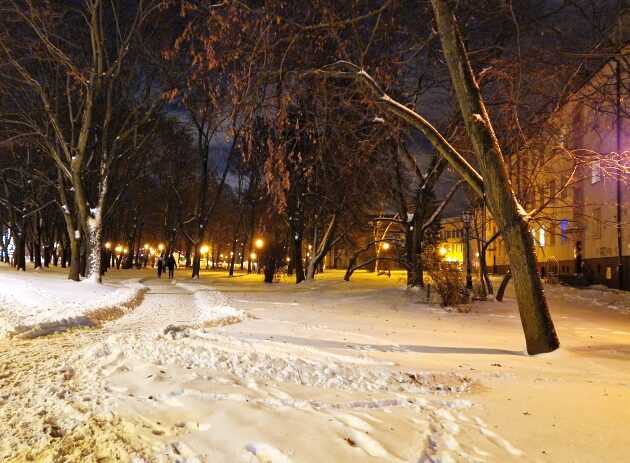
618, 122
205, 249
259, 244
466, 219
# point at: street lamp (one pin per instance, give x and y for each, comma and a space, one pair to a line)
108, 245
160, 247
259, 243
204, 250
386, 246
466, 218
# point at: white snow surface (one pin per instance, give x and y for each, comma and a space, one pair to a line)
32, 304
233, 370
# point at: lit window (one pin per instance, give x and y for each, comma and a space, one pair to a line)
541, 237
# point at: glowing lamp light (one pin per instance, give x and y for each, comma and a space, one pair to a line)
443, 251
204, 249
386, 246
146, 247
259, 243
252, 256
125, 250
108, 245
288, 259
118, 249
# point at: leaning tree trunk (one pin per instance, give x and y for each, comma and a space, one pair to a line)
323, 248
503, 285
538, 327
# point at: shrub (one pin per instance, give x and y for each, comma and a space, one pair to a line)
448, 281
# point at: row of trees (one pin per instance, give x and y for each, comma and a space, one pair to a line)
190, 122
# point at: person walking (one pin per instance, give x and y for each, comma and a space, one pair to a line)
160, 265
170, 263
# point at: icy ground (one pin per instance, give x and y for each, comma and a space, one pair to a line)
231, 370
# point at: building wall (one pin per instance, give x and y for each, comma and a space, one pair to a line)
575, 227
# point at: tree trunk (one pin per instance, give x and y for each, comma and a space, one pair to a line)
75, 261
296, 248
20, 251
503, 285
323, 248
538, 327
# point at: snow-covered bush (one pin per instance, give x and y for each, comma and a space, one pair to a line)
448, 280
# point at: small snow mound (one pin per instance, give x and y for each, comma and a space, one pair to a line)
47, 328
265, 453
214, 308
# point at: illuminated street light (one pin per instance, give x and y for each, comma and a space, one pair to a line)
146, 247
125, 250
204, 249
252, 256
118, 249
386, 246
108, 245
259, 243
443, 251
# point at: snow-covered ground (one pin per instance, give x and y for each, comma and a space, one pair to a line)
231, 370
38, 303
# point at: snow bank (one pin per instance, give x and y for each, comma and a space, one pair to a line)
213, 307
47, 316
596, 295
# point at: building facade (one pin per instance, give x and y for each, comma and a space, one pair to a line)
573, 180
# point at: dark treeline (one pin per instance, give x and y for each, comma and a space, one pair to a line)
195, 123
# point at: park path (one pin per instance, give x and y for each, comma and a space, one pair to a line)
41, 397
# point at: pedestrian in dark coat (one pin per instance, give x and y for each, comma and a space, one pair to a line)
160, 265
170, 263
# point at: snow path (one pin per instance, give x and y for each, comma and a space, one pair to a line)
329, 373
153, 380
43, 398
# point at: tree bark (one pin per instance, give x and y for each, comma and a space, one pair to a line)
503, 285
538, 327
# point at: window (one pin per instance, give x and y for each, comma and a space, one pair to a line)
541, 237
596, 172
564, 225
577, 197
597, 223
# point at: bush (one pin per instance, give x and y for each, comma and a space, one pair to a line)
448, 282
